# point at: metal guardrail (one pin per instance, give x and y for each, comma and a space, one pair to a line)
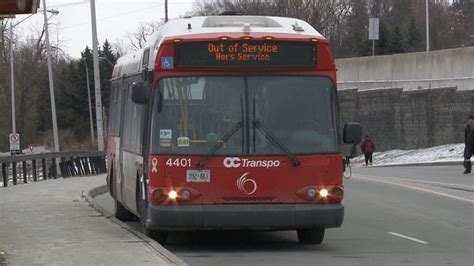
71, 164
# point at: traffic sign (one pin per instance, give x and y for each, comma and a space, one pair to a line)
373, 28
14, 143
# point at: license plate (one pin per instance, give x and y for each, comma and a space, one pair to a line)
198, 176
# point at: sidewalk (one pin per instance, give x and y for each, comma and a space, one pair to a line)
51, 223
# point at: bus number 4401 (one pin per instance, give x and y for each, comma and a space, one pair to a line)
179, 162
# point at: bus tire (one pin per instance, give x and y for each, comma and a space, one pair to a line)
313, 236
111, 181
122, 213
142, 206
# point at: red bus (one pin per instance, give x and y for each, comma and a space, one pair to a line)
229, 123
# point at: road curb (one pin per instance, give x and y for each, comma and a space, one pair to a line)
419, 164
89, 197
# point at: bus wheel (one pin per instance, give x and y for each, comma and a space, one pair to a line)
311, 236
121, 213
110, 181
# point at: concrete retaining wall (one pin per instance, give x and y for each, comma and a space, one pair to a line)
404, 119
443, 68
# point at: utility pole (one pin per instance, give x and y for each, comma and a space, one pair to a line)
166, 10
427, 28
90, 105
51, 84
98, 97
12, 78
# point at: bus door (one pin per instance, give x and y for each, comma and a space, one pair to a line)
131, 152
118, 163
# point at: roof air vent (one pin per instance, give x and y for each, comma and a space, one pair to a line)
232, 13
297, 27
246, 27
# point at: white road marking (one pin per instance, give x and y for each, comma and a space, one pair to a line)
430, 182
379, 179
409, 238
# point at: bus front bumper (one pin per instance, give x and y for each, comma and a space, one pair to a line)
244, 216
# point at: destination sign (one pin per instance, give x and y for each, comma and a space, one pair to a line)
245, 54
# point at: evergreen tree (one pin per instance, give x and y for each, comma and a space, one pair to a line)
463, 22
107, 63
67, 91
80, 100
358, 42
395, 41
381, 45
363, 44
414, 39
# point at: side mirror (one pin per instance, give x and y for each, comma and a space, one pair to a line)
352, 133
140, 93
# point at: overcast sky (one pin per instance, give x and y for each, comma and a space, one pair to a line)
114, 19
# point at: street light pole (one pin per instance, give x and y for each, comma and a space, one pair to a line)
98, 95
51, 84
12, 77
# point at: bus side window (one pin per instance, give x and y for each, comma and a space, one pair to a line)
128, 119
112, 107
118, 108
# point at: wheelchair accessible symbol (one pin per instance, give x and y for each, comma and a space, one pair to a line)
167, 62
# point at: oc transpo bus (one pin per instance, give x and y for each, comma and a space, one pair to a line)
228, 123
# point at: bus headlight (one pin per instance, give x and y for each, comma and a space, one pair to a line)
323, 193
172, 194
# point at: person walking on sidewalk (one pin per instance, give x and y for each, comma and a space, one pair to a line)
469, 142
367, 148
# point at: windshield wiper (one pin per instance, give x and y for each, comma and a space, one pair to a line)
260, 126
220, 143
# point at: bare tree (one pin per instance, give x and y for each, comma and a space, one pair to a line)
120, 47
30, 76
137, 39
5, 104
3, 40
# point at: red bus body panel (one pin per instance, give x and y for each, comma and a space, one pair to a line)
273, 185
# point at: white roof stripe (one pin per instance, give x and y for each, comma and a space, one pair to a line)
130, 64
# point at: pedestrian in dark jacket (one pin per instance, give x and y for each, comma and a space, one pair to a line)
368, 148
469, 142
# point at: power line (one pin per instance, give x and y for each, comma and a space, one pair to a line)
108, 2
71, 4
121, 14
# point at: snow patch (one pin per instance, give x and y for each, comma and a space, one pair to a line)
443, 153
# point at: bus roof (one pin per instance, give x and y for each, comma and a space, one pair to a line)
131, 63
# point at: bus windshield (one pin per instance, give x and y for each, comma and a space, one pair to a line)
250, 115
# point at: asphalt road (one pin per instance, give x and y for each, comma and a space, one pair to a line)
394, 216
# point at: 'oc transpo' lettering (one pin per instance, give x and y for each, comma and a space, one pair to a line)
235, 162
